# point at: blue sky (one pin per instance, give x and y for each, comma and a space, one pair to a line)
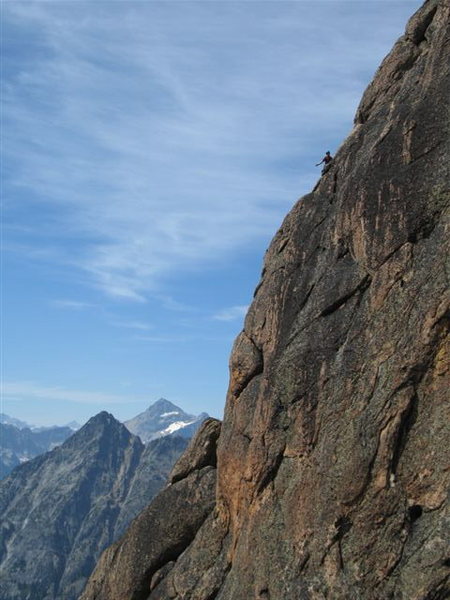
150, 151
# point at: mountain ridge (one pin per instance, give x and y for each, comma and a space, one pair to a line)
21, 442
60, 509
20, 445
7, 420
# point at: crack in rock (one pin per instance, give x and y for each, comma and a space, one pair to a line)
334, 306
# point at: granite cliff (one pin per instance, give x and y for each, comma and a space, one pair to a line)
332, 473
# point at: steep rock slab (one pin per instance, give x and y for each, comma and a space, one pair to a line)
138, 562
331, 461
332, 471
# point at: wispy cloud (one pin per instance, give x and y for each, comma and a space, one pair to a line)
71, 304
163, 339
232, 313
181, 339
140, 325
171, 304
29, 390
165, 136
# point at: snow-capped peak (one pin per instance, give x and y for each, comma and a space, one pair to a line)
164, 418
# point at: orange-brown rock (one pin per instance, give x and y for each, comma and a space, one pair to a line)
333, 455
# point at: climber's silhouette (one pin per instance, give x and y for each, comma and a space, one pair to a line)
327, 162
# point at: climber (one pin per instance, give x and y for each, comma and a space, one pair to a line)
327, 162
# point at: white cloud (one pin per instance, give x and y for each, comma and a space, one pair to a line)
166, 136
163, 339
231, 314
180, 339
29, 390
72, 304
133, 325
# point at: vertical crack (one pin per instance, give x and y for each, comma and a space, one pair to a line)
407, 421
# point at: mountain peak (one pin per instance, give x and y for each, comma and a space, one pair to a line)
164, 418
163, 405
102, 418
101, 425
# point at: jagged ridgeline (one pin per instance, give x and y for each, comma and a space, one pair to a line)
332, 468
62, 508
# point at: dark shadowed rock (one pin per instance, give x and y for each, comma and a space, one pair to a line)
332, 472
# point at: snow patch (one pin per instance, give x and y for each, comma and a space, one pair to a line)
175, 426
170, 414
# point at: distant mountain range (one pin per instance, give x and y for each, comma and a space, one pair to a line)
62, 508
19, 445
21, 441
164, 418
7, 420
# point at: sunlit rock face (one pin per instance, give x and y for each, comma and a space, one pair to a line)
332, 466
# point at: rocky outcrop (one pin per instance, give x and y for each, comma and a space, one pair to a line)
331, 463
61, 509
159, 535
201, 452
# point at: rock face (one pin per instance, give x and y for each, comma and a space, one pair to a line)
164, 418
61, 509
331, 470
